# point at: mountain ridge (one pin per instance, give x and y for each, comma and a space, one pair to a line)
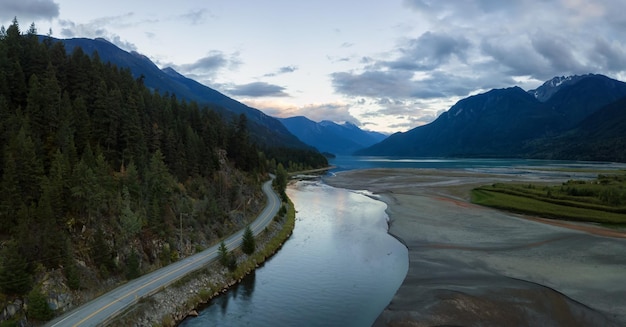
328, 136
266, 130
503, 122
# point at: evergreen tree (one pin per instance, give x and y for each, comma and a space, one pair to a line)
51, 238
129, 221
280, 182
101, 254
86, 191
85, 144
132, 266
29, 169
11, 199
70, 270
224, 255
248, 244
15, 275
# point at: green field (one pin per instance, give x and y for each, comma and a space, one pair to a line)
602, 200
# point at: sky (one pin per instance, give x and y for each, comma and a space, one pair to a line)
386, 66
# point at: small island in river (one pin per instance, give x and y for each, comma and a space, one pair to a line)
474, 265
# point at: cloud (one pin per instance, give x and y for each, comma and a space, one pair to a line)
402, 84
609, 56
373, 83
281, 71
333, 111
287, 69
558, 51
28, 9
195, 17
429, 51
98, 28
515, 58
215, 60
205, 69
258, 89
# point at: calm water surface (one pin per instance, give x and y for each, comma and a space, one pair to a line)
362, 162
339, 268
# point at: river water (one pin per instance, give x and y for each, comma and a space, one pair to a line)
339, 268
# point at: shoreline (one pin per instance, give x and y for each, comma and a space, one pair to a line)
459, 274
182, 300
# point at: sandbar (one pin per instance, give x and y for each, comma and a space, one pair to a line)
475, 266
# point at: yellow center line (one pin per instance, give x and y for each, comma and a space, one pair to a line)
159, 278
140, 288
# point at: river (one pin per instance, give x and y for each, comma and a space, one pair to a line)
339, 268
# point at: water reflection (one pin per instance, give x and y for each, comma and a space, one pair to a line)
340, 267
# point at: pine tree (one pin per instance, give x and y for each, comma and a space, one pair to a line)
11, 199
70, 270
224, 255
101, 254
132, 266
129, 221
29, 169
50, 236
280, 183
248, 244
15, 275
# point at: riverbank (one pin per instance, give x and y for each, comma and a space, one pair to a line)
173, 304
470, 265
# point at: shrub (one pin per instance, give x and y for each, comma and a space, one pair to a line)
38, 307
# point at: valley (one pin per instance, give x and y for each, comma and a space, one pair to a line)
474, 265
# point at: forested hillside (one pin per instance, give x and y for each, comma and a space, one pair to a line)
98, 173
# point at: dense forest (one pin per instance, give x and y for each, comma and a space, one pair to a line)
98, 172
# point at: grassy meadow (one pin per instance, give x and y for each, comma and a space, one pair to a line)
602, 200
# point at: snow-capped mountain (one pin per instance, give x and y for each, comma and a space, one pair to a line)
512, 122
549, 88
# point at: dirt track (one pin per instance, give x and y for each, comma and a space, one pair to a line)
470, 265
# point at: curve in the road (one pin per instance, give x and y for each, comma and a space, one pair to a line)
107, 306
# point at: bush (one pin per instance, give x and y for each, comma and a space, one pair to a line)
38, 307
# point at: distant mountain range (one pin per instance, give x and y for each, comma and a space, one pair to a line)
331, 137
264, 129
575, 117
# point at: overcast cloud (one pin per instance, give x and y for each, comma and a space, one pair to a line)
473, 46
258, 89
390, 65
28, 9
99, 28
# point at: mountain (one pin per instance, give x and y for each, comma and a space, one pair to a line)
481, 125
601, 136
547, 90
331, 137
265, 130
581, 96
503, 122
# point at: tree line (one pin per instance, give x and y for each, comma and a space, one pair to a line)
94, 165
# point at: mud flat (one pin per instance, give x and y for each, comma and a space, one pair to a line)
475, 266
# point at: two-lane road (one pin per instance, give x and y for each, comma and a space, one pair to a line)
110, 304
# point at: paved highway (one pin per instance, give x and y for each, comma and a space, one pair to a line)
107, 306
